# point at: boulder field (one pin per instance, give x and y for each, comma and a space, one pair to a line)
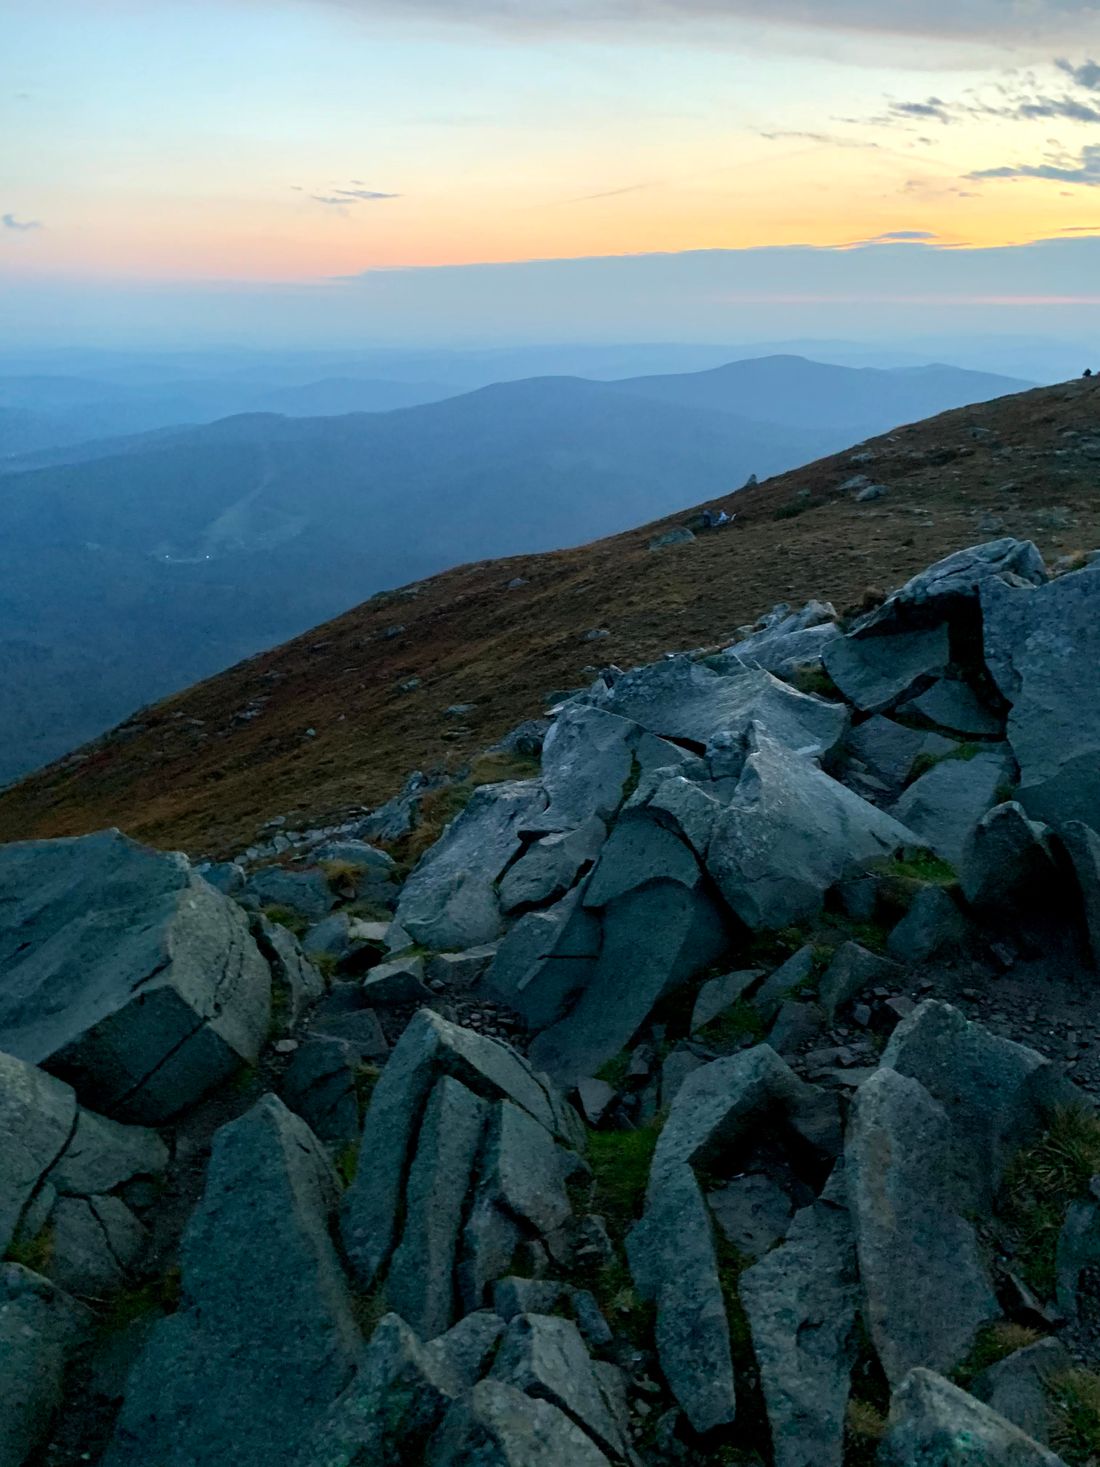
721, 1093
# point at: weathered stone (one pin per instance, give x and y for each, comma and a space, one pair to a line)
718, 994
594, 1097
1082, 845
926, 1292
877, 673
1078, 1249
590, 1319
1006, 860
94, 1244
654, 938
801, 1303
673, 1263
546, 959
1038, 646
639, 852
851, 970
789, 978
782, 645
587, 758
954, 705
753, 1213
103, 1155
305, 892
357, 853
789, 833
461, 970
890, 750
998, 1095
125, 974
682, 699
953, 584
681, 535
795, 1025
319, 1085
40, 1327
430, 1046
498, 1426
467, 1348
358, 1027
678, 1065
37, 1118
551, 866
330, 937
544, 1356
935, 1424
265, 1338
933, 924
450, 899
945, 805
400, 981
512, 1296
1018, 1387
295, 982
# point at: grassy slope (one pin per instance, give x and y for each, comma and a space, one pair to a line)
192, 773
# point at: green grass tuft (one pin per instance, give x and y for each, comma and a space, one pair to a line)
1075, 1428
732, 1027
994, 1343
924, 866
620, 1162
1041, 1183
288, 918
33, 1253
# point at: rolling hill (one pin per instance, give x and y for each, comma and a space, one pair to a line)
334, 720
156, 561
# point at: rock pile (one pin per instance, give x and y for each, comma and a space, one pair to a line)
647, 1120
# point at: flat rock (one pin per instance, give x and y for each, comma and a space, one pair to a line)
40, 1327
400, 981
499, 1426
551, 866
789, 833
801, 1303
925, 1288
933, 924
953, 585
265, 1339
126, 974
955, 706
877, 673
450, 899
945, 805
851, 970
546, 959
753, 1213
1017, 1387
935, 1424
719, 994
1040, 645
890, 750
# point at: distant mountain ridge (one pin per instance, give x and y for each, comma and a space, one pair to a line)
179, 553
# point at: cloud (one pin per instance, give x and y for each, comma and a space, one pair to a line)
827, 138
21, 226
933, 108
340, 198
1087, 75
896, 236
1085, 170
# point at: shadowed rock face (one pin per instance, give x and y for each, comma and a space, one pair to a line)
126, 974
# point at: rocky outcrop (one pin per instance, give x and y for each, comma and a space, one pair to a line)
933, 1421
126, 974
40, 1328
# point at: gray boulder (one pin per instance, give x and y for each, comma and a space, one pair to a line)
319, 1085
935, 1424
639, 852
789, 833
890, 750
877, 673
953, 584
40, 1327
305, 892
954, 705
420, 1285
265, 1339
126, 974
999, 1095
450, 899
551, 866
719, 994
851, 970
37, 1119
587, 760
926, 1292
789, 978
1039, 645
499, 1426
945, 805
102, 1156
545, 960
1018, 1387
1082, 845
753, 1213
1006, 860
400, 981
801, 1304
933, 924
1078, 1249
428, 1048
295, 982
95, 1243
780, 648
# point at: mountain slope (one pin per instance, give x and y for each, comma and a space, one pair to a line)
323, 724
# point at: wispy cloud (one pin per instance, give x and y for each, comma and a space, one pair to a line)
340, 198
827, 139
1085, 170
20, 226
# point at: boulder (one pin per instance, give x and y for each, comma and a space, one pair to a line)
935, 1424
265, 1338
933, 924
102, 1156
429, 1047
877, 673
851, 970
499, 1426
789, 833
801, 1305
400, 981
1006, 861
1018, 1387
639, 852
551, 866
1078, 1249
999, 1095
789, 978
1082, 845
778, 651
945, 805
753, 1213
954, 705
954, 585
40, 1327
681, 699
925, 1288
305, 892
1039, 644
319, 1085
359, 853
450, 899
126, 974
37, 1119
587, 761
94, 1244
545, 960
890, 750
719, 994
461, 970
673, 1263
654, 938
295, 982
420, 1285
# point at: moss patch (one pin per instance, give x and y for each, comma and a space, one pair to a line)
33, 1253
288, 918
1075, 1428
994, 1343
731, 1028
153, 1297
1041, 1183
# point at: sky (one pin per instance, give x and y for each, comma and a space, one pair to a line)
316, 170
